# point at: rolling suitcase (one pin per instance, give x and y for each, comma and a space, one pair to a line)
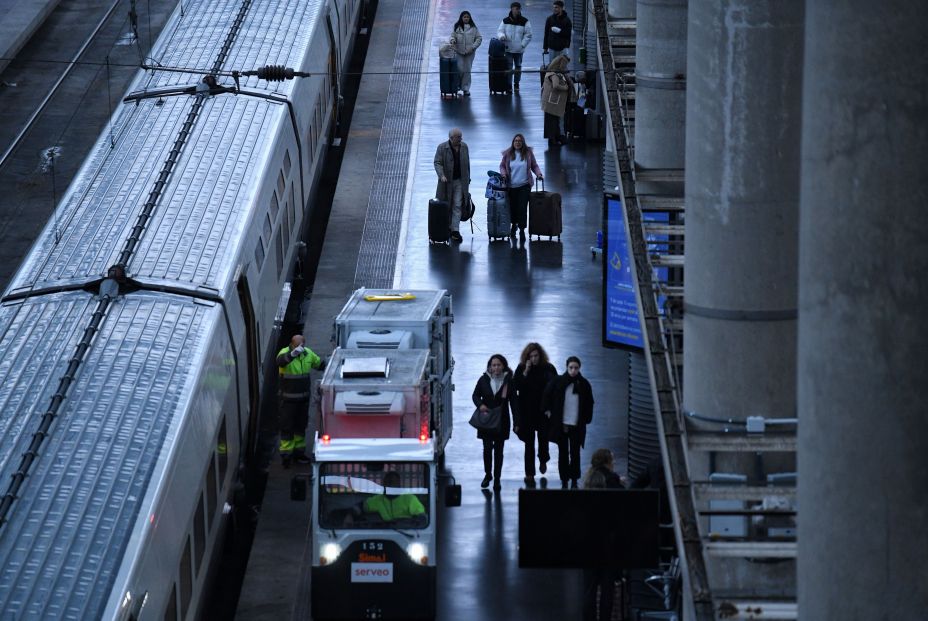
544, 213
449, 77
498, 219
500, 76
439, 221
543, 69
497, 48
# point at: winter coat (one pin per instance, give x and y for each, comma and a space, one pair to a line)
532, 166
484, 395
529, 391
555, 91
557, 41
515, 32
553, 401
444, 164
466, 40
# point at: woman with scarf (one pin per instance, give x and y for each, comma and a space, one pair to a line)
532, 376
568, 403
556, 91
492, 391
465, 39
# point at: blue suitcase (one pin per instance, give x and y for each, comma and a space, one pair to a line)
498, 218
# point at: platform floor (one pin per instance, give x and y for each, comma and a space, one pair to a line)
504, 295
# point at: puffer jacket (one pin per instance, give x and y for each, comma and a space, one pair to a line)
466, 40
515, 32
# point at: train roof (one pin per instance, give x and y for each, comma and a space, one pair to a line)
74, 515
199, 227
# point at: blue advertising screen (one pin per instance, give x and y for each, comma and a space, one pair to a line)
621, 325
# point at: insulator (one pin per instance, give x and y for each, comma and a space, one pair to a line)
275, 73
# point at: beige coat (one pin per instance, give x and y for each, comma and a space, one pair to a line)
555, 92
467, 40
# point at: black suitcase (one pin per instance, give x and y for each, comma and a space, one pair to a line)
449, 77
439, 221
544, 213
500, 76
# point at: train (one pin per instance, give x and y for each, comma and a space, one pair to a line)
136, 336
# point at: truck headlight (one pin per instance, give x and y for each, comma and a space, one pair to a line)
418, 552
328, 552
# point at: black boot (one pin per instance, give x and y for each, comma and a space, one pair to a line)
486, 481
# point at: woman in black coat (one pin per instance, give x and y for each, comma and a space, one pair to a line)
568, 402
492, 391
532, 376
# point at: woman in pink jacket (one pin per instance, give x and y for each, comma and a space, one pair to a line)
517, 167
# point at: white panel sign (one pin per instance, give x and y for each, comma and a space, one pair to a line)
372, 572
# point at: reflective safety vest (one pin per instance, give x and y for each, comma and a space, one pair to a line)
394, 508
294, 373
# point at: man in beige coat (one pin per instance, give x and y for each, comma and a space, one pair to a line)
452, 165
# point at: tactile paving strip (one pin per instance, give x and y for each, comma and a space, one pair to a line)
377, 257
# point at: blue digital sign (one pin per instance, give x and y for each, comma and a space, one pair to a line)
621, 324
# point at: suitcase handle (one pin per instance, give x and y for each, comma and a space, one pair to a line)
542, 184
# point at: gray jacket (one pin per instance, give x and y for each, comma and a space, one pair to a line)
444, 165
467, 40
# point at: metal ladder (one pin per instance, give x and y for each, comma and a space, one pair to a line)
711, 562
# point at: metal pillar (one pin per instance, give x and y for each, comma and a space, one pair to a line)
863, 291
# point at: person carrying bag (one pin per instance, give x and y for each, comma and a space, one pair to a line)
491, 418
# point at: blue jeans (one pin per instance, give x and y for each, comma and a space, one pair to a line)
515, 61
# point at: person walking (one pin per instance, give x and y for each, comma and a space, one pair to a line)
492, 391
557, 31
599, 584
517, 166
294, 363
452, 165
568, 403
531, 377
466, 39
556, 90
516, 32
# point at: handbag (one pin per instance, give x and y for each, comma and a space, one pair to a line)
486, 421
467, 208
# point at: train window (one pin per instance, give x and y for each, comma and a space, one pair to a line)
293, 205
170, 611
211, 492
267, 227
279, 250
286, 164
275, 206
223, 451
281, 184
199, 534
286, 226
259, 254
186, 580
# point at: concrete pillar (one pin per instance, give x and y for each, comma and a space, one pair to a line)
863, 294
743, 118
660, 84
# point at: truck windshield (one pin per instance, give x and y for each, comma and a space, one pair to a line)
373, 495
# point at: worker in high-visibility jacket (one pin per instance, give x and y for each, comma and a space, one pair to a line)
295, 362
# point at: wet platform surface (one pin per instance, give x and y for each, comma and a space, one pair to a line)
504, 295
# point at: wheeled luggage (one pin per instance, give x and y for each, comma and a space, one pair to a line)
449, 76
543, 69
500, 76
575, 121
497, 48
544, 213
498, 219
439, 221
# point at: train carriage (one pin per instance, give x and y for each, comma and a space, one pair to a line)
119, 514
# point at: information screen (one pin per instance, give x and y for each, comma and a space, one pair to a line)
621, 324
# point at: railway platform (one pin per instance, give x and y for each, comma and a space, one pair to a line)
505, 295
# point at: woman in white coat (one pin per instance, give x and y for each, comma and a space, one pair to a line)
465, 39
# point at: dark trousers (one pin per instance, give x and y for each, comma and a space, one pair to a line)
598, 584
518, 205
541, 429
293, 418
493, 457
568, 454
552, 126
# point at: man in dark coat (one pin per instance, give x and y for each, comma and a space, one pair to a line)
557, 31
452, 165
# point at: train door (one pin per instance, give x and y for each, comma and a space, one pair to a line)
251, 351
